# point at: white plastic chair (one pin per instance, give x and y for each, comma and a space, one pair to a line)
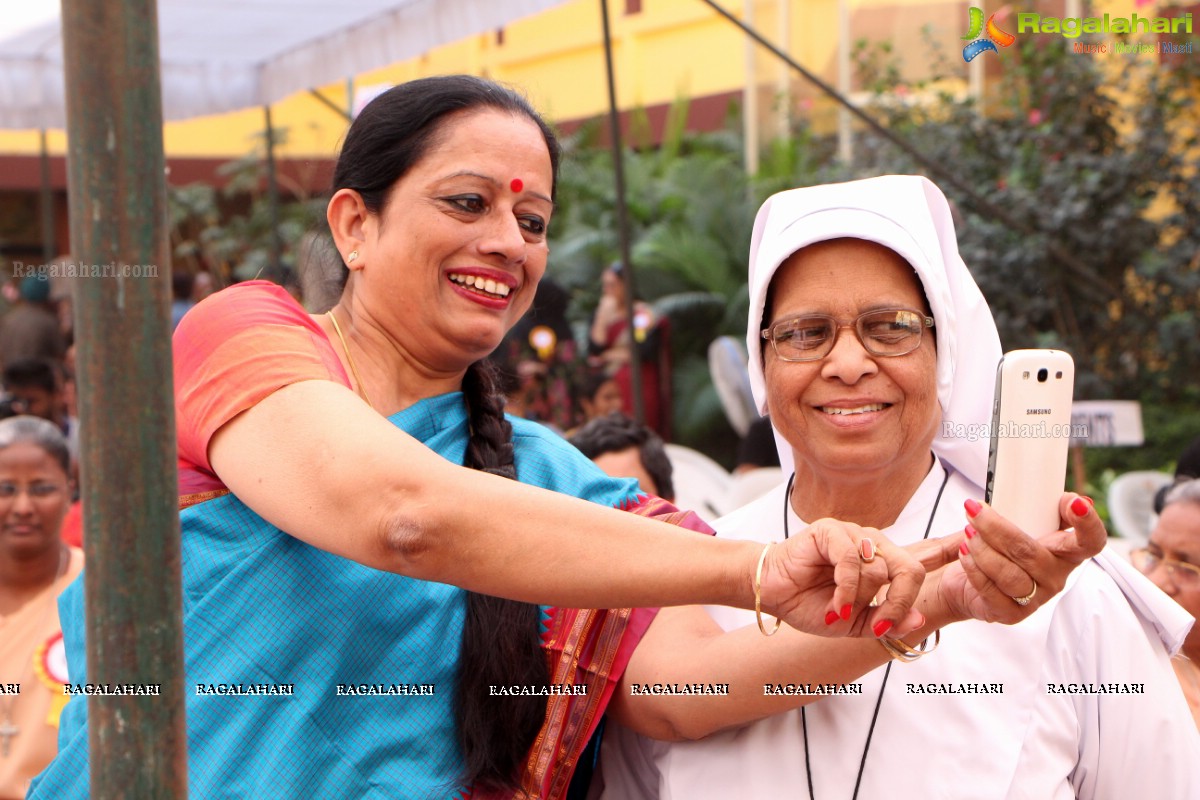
753, 484
1131, 503
701, 484
730, 376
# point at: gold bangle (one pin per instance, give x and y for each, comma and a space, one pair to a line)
900, 650
758, 593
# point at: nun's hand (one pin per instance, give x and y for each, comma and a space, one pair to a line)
1004, 575
823, 579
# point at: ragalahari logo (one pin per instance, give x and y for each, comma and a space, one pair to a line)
994, 37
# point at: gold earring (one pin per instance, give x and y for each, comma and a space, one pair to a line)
353, 255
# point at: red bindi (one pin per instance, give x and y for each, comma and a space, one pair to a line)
516, 185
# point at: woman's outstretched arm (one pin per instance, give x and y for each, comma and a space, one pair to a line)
317, 462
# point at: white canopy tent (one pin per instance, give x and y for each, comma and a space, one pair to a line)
224, 55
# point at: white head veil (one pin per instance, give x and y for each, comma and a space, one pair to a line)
909, 215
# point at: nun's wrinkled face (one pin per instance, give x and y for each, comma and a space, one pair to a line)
852, 413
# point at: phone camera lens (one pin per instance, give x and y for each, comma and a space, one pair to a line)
1042, 375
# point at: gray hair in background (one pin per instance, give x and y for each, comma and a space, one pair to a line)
1184, 491
35, 430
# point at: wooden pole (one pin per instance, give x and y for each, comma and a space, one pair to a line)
117, 193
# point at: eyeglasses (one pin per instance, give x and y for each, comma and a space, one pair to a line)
36, 490
887, 332
1184, 574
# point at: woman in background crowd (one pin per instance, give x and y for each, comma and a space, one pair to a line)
610, 347
35, 566
1172, 561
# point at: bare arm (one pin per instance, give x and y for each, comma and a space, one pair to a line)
606, 312
742, 658
349, 482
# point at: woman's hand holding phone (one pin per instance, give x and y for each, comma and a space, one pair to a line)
999, 564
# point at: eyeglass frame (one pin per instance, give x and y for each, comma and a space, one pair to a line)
928, 322
1171, 564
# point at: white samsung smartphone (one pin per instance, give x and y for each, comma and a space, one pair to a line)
1031, 434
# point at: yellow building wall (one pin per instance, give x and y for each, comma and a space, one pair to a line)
670, 49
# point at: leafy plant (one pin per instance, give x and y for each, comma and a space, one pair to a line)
1103, 163
690, 208
232, 232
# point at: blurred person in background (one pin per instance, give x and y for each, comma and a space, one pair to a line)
35, 566
540, 363
625, 449
182, 284
599, 396
187, 289
70, 389
31, 329
1186, 468
202, 285
1172, 560
610, 344
757, 449
35, 386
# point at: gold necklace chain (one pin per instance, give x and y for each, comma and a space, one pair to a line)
350, 359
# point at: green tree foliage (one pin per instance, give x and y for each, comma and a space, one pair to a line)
691, 208
1101, 161
230, 230
1099, 158
1098, 155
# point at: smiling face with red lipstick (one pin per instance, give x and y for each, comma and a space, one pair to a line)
453, 259
853, 419
444, 258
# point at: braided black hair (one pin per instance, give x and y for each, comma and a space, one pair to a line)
501, 643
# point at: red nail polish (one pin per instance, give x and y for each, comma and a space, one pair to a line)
846, 611
962, 548
972, 507
970, 532
1079, 507
882, 627
831, 617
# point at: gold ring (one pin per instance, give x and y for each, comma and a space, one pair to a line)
1024, 601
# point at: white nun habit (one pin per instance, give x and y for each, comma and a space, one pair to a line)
1079, 700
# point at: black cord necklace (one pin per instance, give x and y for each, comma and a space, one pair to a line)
787, 496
